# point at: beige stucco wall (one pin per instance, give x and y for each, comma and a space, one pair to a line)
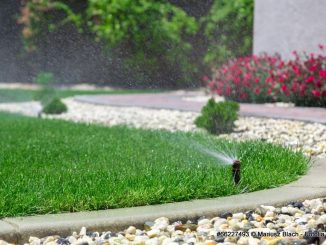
285, 25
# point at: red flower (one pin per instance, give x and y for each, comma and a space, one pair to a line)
295, 87
246, 84
281, 65
302, 89
268, 80
313, 68
284, 88
316, 93
282, 78
324, 93
309, 79
247, 77
296, 69
256, 90
255, 58
243, 95
321, 46
219, 91
322, 73
228, 91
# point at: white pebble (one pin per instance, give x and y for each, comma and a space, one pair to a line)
153, 233
131, 230
82, 231
34, 240
322, 219
204, 222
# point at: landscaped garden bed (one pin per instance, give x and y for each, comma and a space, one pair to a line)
50, 166
269, 78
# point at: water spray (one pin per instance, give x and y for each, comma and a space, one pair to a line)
236, 167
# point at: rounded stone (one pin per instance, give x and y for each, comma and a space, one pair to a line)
131, 230
148, 225
62, 241
210, 242
130, 237
202, 222
296, 204
82, 231
184, 227
153, 233
226, 215
239, 216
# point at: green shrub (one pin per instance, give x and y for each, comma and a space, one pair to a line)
47, 92
55, 106
219, 117
228, 28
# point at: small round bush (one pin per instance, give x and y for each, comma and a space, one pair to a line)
218, 118
55, 106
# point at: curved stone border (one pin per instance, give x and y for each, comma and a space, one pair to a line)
310, 186
175, 101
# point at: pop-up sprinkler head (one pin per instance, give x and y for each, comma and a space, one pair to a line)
236, 167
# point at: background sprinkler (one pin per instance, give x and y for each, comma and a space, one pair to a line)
236, 166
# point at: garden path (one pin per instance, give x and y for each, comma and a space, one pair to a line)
191, 101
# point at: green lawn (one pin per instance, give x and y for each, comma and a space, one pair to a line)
21, 95
51, 166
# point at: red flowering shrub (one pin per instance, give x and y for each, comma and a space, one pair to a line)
268, 78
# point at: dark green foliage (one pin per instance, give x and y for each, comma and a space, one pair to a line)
160, 43
218, 118
150, 37
229, 30
55, 106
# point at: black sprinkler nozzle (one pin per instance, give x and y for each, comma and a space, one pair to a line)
236, 167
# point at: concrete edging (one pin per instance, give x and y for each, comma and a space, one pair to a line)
19, 229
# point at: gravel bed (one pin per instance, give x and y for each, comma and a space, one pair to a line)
26, 108
298, 223
132, 116
309, 137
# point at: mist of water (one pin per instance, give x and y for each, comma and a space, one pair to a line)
223, 157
